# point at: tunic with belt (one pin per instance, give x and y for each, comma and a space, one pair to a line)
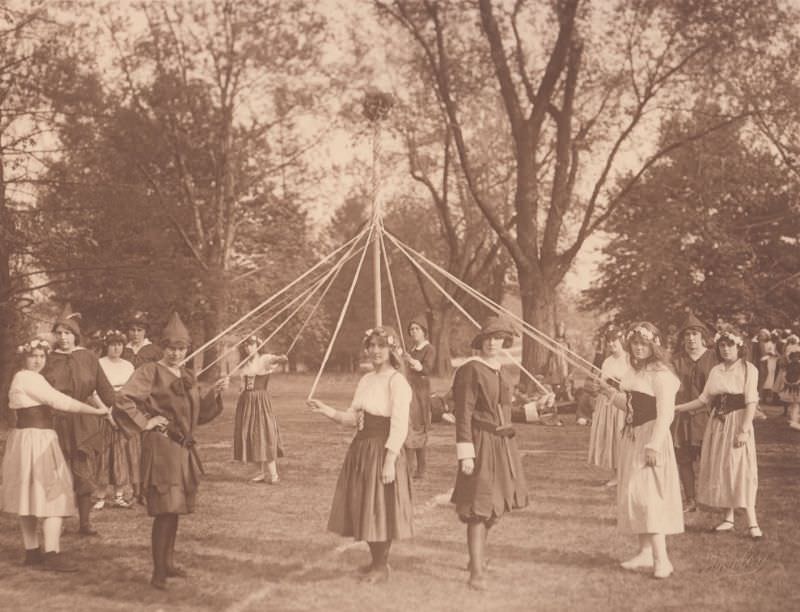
83, 437
728, 476
483, 415
649, 496
420, 412
688, 429
169, 468
36, 478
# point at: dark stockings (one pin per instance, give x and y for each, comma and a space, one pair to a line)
380, 553
165, 528
686, 473
84, 510
421, 461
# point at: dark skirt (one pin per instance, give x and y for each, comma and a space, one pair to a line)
88, 461
363, 507
491, 490
169, 475
419, 412
256, 436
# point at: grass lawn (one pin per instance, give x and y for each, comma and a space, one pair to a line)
260, 547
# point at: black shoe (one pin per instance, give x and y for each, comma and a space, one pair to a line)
478, 583
56, 562
176, 571
86, 530
159, 582
366, 569
33, 556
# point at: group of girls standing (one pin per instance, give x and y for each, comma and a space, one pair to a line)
648, 483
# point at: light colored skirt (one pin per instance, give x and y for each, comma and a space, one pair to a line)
36, 479
648, 498
728, 476
607, 422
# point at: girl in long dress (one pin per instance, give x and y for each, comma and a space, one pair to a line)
125, 450
420, 362
256, 436
728, 475
37, 482
490, 480
373, 500
649, 490
607, 420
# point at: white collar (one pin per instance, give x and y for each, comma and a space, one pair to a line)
141, 346
422, 345
480, 359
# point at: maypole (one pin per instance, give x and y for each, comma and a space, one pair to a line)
377, 106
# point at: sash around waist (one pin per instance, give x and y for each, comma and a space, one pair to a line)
35, 417
374, 426
725, 403
644, 408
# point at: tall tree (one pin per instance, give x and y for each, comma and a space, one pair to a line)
720, 243
580, 84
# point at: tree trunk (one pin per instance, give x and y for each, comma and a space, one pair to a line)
7, 313
537, 309
212, 320
440, 338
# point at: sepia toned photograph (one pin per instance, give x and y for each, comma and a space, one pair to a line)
391, 305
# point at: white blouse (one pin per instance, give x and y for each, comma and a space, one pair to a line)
117, 372
615, 367
29, 388
386, 394
260, 365
661, 383
731, 379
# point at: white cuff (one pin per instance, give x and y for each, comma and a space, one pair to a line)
465, 450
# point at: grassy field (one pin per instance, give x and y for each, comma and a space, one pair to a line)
259, 547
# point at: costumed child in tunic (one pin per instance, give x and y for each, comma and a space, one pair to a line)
607, 420
125, 450
692, 362
728, 475
256, 436
162, 400
84, 438
373, 500
37, 482
139, 349
490, 480
649, 490
420, 362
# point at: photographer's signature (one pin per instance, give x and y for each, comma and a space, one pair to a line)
749, 562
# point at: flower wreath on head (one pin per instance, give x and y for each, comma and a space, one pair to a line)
381, 333
113, 333
29, 347
254, 340
730, 337
644, 333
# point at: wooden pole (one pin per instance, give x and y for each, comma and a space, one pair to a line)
377, 222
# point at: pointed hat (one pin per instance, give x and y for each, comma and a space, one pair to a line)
175, 331
690, 321
69, 319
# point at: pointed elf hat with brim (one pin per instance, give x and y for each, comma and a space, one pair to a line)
691, 321
69, 319
175, 332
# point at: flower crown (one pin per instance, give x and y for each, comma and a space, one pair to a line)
32, 345
645, 333
113, 333
253, 340
381, 333
730, 337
